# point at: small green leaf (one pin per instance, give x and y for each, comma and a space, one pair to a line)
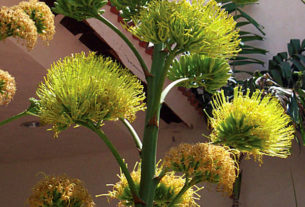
278, 59
286, 70
293, 109
301, 58
253, 50
296, 45
230, 7
298, 65
251, 38
240, 24
290, 49
245, 62
283, 55
276, 75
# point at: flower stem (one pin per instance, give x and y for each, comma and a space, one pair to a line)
161, 62
126, 40
118, 158
169, 87
133, 132
22, 114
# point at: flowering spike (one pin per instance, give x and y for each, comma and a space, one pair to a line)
201, 71
199, 27
84, 88
254, 124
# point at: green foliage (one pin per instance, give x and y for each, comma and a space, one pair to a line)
129, 8
288, 68
234, 8
234, 132
201, 71
79, 9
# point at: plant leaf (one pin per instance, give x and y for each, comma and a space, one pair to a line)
250, 19
286, 71
293, 109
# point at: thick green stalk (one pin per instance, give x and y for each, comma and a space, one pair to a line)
118, 158
126, 40
22, 114
133, 133
160, 65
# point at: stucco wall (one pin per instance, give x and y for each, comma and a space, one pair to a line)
282, 20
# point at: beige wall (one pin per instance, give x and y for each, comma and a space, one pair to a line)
25, 152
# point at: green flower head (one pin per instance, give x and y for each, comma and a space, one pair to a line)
253, 124
84, 88
201, 71
196, 27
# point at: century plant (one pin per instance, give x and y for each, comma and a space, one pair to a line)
192, 45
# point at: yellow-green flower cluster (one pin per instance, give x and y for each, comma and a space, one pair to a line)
196, 27
167, 189
7, 87
201, 71
84, 88
203, 162
252, 123
61, 191
27, 21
